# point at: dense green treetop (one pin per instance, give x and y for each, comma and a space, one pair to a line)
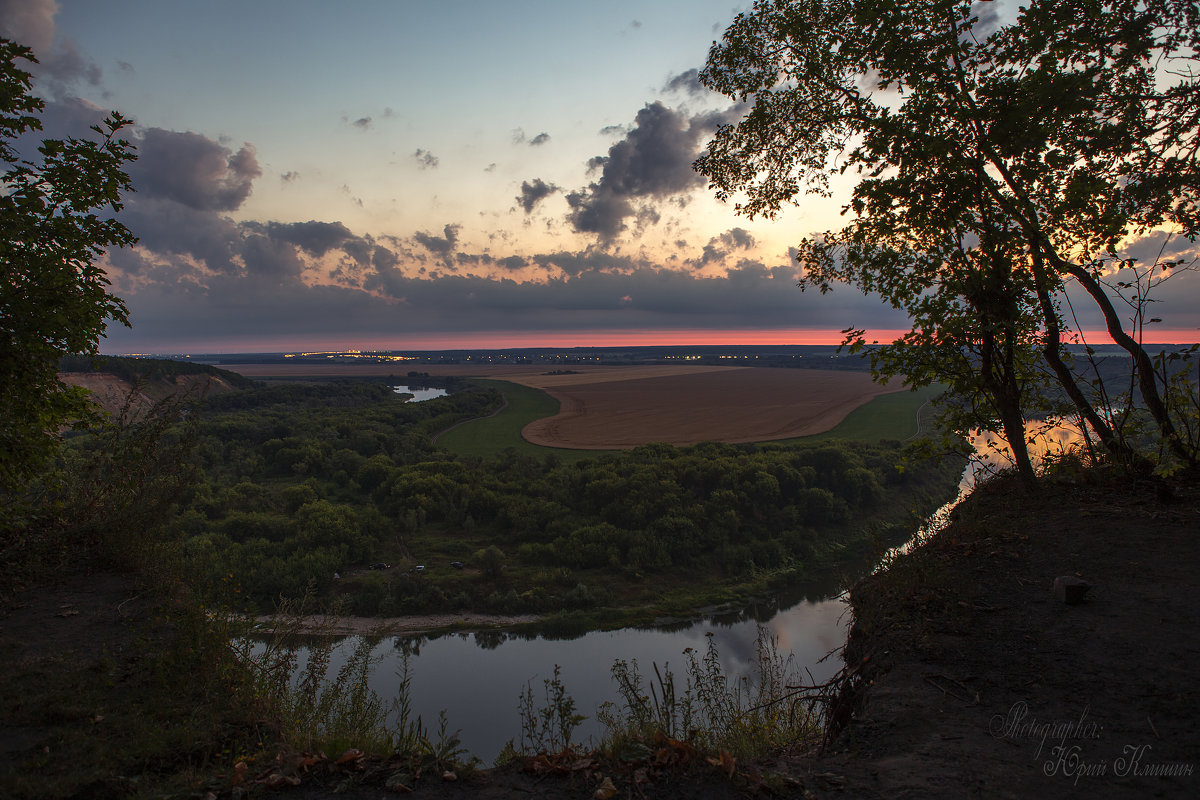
56, 219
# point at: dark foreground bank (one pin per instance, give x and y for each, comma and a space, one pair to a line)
971, 678
978, 680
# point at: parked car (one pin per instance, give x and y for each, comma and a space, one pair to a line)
456, 564
380, 565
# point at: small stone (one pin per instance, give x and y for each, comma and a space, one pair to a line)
399, 782
1070, 590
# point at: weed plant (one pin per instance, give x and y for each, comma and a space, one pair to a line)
322, 713
548, 728
748, 716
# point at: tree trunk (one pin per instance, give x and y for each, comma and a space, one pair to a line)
1002, 386
1052, 351
1143, 366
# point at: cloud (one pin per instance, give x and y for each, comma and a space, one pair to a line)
425, 159
719, 247
990, 20
268, 300
289, 176
687, 82
384, 259
653, 161
61, 62
518, 137
533, 193
1158, 247
29, 22
317, 238
194, 170
512, 263
600, 211
439, 245
65, 65
572, 264
72, 116
362, 123
169, 228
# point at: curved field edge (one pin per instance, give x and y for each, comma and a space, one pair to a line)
492, 435
895, 415
888, 416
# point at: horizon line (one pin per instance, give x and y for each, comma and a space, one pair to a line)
526, 340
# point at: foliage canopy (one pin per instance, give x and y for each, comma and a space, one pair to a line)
54, 298
997, 164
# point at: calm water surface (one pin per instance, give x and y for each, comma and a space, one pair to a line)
477, 679
419, 394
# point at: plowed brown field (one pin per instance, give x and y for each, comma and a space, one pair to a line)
611, 408
724, 404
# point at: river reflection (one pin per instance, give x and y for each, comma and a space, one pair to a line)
478, 678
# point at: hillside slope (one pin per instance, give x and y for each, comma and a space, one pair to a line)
978, 681
115, 380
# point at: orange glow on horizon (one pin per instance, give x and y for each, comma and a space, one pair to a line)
501, 340
686, 337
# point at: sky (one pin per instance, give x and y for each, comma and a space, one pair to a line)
392, 174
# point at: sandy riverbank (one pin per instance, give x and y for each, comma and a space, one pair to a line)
326, 625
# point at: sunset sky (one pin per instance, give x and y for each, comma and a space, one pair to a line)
396, 174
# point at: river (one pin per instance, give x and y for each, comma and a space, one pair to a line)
477, 679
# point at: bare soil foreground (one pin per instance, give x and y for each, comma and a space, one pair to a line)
612, 408
980, 682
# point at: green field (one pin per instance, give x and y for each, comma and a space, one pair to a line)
493, 435
889, 416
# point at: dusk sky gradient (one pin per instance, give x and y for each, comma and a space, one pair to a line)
390, 175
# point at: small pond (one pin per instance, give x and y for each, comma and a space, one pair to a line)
419, 393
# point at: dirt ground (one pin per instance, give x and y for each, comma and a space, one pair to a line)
978, 681
985, 684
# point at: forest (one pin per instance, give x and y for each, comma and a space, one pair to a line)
334, 490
